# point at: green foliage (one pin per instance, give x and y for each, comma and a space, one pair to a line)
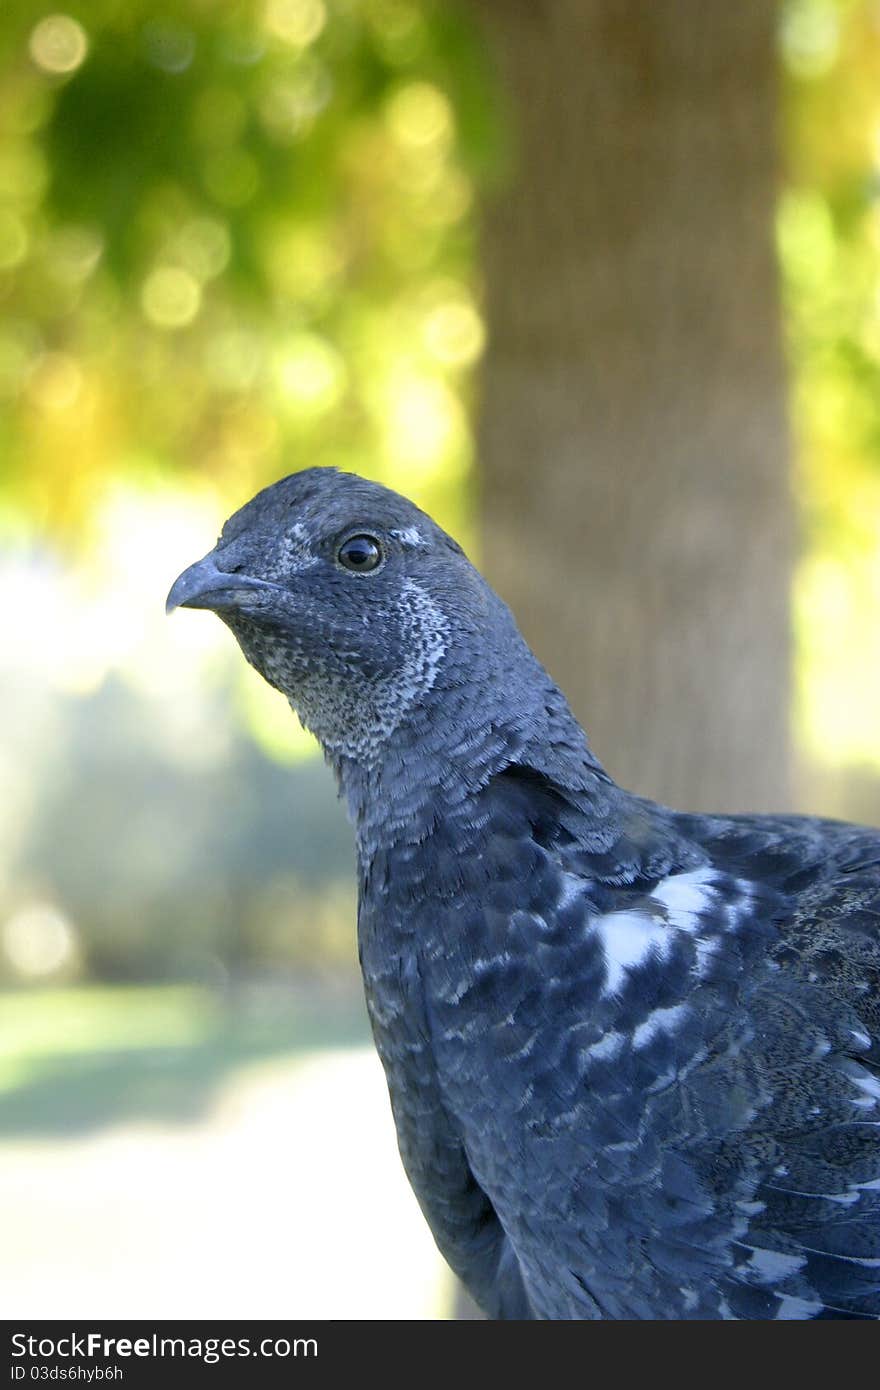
236, 238
829, 238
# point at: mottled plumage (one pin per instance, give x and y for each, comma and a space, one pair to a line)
633, 1054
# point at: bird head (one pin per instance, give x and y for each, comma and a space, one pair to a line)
345, 597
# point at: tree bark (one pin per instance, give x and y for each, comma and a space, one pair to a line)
633, 444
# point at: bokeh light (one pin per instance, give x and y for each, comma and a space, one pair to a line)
810, 36
58, 44
310, 374
419, 116
298, 22
39, 941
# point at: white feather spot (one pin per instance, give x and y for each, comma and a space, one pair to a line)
432, 628
796, 1309
685, 896
870, 1088
751, 1208
773, 1265
294, 549
680, 903
660, 1082
628, 939
410, 536
609, 1046
740, 907
660, 1021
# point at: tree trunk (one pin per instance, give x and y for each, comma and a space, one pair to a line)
633, 441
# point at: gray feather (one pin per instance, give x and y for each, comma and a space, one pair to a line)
633, 1054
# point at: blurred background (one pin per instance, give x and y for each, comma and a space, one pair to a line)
599, 286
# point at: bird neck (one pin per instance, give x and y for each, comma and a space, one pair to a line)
481, 715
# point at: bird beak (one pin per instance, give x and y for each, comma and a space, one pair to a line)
205, 585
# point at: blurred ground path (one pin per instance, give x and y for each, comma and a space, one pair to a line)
286, 1199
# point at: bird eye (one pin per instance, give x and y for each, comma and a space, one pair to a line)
360, 554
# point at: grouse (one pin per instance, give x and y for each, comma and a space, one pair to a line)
633, 1054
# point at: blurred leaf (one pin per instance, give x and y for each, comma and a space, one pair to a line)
209, 216
829, 239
